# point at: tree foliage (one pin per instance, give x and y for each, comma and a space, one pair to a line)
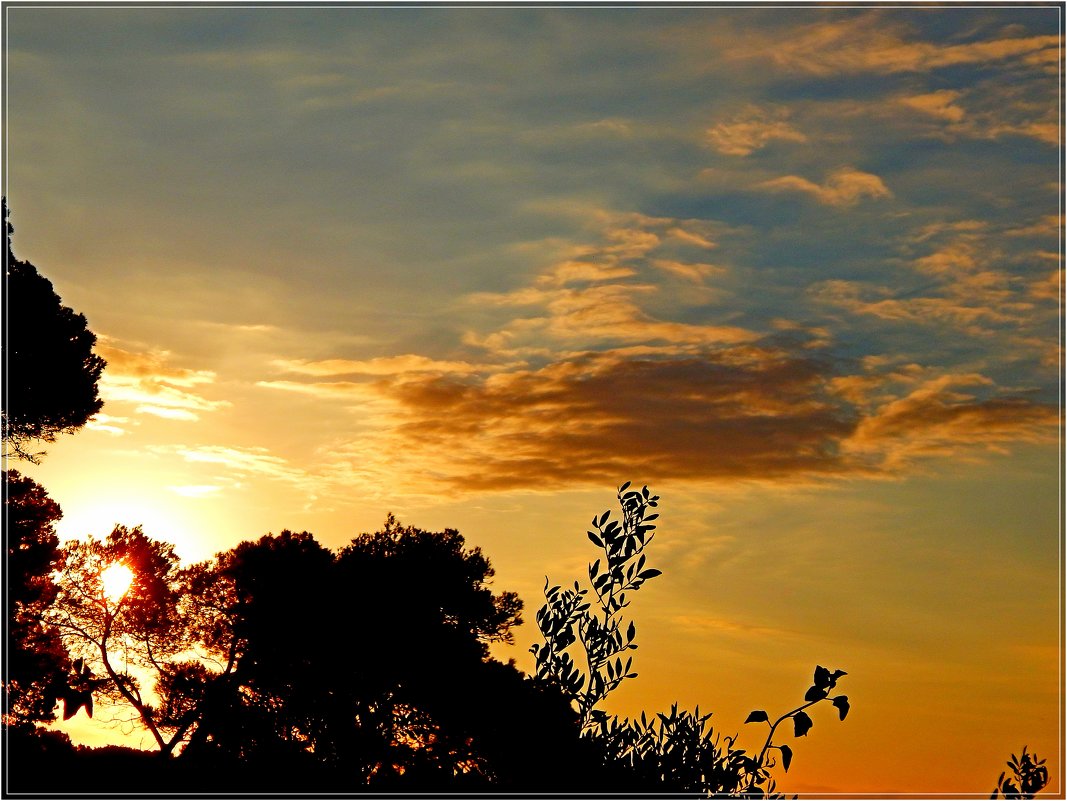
34, 657
374, 661
368, 666
51, 372
143, 652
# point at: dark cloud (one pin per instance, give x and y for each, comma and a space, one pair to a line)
743, 413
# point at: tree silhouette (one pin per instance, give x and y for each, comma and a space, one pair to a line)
50, 370
152, 629
370, 667
34, 657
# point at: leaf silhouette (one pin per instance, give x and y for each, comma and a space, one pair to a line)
841, 702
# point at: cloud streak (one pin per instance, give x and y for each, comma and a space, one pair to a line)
748, 412
874, 43
843, 187
147, 381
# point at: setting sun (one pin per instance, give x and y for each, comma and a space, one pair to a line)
116, 580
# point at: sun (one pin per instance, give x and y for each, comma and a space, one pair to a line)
116, 579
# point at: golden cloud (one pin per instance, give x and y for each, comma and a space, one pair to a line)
843, 187
751, 130
936, 417
939, 104
871, 43
152, 385
749, 412
385, 365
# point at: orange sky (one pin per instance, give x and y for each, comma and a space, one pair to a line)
797, 270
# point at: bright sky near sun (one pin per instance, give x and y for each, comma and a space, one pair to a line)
797, 269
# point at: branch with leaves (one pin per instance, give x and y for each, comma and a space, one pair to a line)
585, 635
824, 682
567, 619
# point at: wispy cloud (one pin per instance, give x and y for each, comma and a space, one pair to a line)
970, 280
940, 104
382, 365
937, 416
151, 384
753, 129
108, 424
843, 187
875, 43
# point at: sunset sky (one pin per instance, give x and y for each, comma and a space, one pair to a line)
796, 269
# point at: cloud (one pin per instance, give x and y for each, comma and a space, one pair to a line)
939, 104
751, 130
152, 385
602, 298
843, 187
969, 283
241, 462
934, 418
107, 424
571, 272
741, 413
967, 313
875, 43
694, 272
383, 365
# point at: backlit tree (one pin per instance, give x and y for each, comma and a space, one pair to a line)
138, 632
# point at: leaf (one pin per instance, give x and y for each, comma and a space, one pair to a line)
841, 702
596, 540
604, 517
822, 676
787, 757
631, 630
815, 694
650, 573
801, 724
757, 716
624, 487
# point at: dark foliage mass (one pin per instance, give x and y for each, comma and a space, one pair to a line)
282, 664
34, 657
50, 370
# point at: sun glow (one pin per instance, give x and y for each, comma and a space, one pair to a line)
116, 580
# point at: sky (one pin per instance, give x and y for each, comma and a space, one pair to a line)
797, 269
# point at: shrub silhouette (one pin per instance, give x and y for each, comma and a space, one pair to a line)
1029, 777
678, 752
